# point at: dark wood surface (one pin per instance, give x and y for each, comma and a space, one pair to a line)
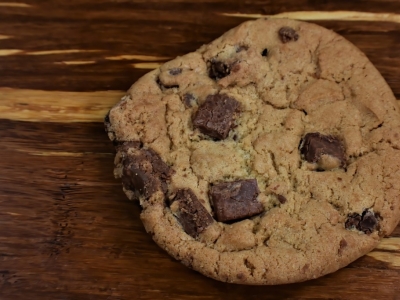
67, 230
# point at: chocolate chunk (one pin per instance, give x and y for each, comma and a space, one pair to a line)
192, 215
352, 220
281, 199
218, 69
342, 245
288, 34
264, 52
315, 147
235, 200
189, 100
143, 172
175, 71
216, 115
134, 179
367, 222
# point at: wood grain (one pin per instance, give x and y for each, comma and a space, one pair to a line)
50, 106
66, 229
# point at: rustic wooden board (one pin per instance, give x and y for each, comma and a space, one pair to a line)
66, 229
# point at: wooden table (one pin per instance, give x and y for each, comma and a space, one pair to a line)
67, 230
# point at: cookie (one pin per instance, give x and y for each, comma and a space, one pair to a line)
269, 156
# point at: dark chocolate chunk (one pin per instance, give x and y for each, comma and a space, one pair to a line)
288, 34
314, 145
218, 70
342, 245
264, 52
135, 180
216, 115
143, 172
189, 100
353, 220
192, 215
235, 200
367, 222
175, 71
281, 199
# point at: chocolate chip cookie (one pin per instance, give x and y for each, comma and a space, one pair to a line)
269, 156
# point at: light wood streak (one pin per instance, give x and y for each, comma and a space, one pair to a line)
138, 57
6, 52
146, 65
391, 258
87, 62
4, 37
391, 243
50, 52
326, 15
12, 213
55, 106
62, 153
15, 4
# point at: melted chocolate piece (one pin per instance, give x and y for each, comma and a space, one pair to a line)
288, 34
175, 71
143, 172
367, 222
193, 216
189, 100
314, 145
235, 200
216, 115
281, 199
342, 245
218, 69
